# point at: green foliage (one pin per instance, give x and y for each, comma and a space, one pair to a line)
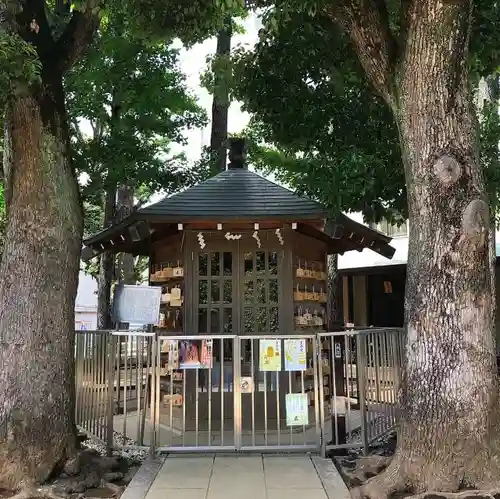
190, 20
489, 126
207, 165
141, 265
218, 79
93, 223
131, 99
19, 65
484, 41
134, 98
317, 123
94, 219
335, 139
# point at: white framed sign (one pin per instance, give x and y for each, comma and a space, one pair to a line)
136, 304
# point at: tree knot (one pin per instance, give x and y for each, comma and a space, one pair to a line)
447, 169
475, 223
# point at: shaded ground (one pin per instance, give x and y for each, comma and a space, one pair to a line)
89, 475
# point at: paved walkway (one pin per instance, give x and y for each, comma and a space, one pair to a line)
241, 477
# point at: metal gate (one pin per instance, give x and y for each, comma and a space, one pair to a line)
223, 398
195, 402
238, 393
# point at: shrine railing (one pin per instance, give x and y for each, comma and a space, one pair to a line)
131, 390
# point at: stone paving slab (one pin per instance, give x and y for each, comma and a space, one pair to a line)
139, 487
245, 477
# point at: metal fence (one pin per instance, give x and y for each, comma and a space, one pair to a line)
129, 393
93, 358
113, 386
365, 371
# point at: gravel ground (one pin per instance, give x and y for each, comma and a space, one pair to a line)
133, 455
377, 426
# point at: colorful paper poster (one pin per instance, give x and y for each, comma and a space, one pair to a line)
295, 355
270, 355
206, 354
297, 412
189, 355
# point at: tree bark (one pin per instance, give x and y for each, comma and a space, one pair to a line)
220, 103
334, 304
125, 261
449, 400
38, 284
449, 432
106, 267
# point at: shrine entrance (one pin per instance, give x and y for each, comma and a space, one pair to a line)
240, 309
235, 403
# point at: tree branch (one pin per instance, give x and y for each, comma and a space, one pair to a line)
33, 27
77, 36
367, 23
404, 23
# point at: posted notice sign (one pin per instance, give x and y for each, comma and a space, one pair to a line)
295, 355
270, 355
297, 413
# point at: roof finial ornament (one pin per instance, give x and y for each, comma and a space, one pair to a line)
237, 153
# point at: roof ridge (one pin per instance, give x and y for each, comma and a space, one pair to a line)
205, 193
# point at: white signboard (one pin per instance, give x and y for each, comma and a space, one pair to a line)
297, 413
137, 304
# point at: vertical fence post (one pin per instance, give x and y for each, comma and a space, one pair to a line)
111, 392
322, 419
237, 361
399, 345
155, 391
361, 371
339, 368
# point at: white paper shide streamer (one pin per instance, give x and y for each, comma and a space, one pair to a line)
279, 235
255, 235
201, 240
232, 237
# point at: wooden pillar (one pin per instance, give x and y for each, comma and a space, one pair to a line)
360, 300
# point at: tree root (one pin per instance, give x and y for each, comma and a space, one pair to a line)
398, 478
384, 485
464, 494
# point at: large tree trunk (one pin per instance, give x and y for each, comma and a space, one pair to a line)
106, 267
449, 402
38, 284
220, 103
449, 399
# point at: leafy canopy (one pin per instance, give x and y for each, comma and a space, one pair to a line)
319, 125
334, 138
132, 96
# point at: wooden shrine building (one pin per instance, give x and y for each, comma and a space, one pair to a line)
238, 254
248, 255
